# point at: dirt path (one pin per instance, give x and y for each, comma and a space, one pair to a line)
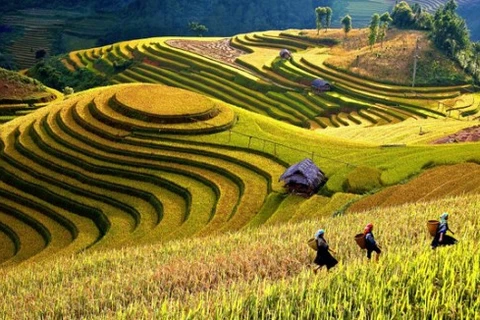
471, 134
218, 50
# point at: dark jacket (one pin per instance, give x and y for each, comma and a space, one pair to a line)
370, 240
324, 257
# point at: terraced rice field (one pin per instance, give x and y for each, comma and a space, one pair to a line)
142, 162
40, 28
463, 179
432, 5
37, 32
410, 132
94, 171
361, 11
247, 72
267, 272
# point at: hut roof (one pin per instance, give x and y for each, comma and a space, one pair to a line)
305, 172
284, 53
318, 83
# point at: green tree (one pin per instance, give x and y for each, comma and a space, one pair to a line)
197, 28
424, 21
402, 15
476, 56
385, 20
328, 17
374, 26
449, 32
451, 6
320, 12
347, 24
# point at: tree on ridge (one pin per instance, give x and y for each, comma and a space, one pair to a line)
374, 26
385, 20
347, 24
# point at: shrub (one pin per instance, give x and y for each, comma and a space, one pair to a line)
53, 73
68, 90
362, 179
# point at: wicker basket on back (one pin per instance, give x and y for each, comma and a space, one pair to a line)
432, 226
312, 243
360, 239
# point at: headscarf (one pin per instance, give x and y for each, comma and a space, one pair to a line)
368, 228
444, 217
319, 233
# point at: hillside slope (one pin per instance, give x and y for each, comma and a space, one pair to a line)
61, 26
134, 164
21, 95
247, 71
266, 271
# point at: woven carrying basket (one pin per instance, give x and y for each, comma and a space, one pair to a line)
432, 226
312, 243
360, 239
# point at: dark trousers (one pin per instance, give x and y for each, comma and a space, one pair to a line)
447, 241
371, 248
325, 259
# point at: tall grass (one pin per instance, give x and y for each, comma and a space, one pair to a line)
265, 274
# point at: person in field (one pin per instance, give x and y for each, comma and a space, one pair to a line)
323, 257
370, 243
441, 238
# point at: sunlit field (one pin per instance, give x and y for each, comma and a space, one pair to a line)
266, 273
159, 196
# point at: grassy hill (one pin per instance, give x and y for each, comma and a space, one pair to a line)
20, 95
246, 71
59, 26
265, 272
140, 163
158, 196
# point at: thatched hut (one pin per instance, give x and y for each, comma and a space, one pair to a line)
320, 85
285, 54
304, 178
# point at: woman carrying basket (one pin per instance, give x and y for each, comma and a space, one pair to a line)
323, 258
370, 243
441, 239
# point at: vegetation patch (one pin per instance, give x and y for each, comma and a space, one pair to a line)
471, 134
16, 88
393, 60
265, 273
363, 179
430, 185
53, 73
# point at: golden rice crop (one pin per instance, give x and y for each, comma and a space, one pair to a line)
163, 100
428, 186
68, 65
362, 179
371, 201
260, 57
74, 57
265, 273
410, 131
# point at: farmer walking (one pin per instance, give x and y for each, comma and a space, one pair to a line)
441, 238
370, 243
324, 257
